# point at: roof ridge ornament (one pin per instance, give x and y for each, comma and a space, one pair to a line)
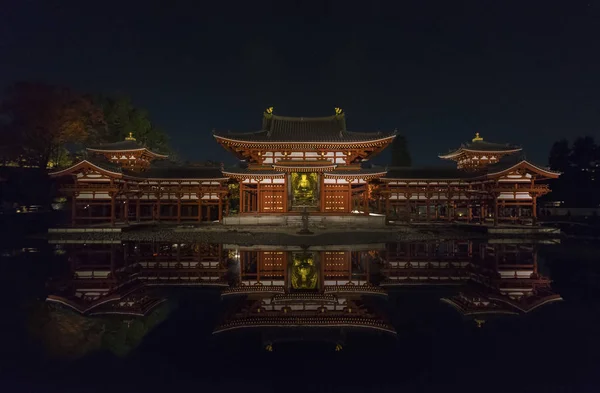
338, 111
267, 119
477, 138
130, 137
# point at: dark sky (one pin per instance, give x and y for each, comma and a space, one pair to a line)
525, 72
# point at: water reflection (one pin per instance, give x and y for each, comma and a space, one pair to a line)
285, 292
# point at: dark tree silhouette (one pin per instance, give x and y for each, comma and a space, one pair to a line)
400, 153
559, 159
579, 185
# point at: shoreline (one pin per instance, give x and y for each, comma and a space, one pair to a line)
288, 235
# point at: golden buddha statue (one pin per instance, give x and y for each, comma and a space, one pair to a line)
304, 193
304, 272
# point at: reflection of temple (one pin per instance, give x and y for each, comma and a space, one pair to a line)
492, 278
321, 291
293, 288
126, 279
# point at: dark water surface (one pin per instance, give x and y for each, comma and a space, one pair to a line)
497, 316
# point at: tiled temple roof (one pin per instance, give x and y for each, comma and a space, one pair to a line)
305, 129
172, 170
478, 144
118, 146
103, 163
427, 173
433, 173
129, 144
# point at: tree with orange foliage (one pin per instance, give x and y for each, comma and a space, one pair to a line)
39, 119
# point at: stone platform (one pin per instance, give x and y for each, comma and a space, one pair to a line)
354, 220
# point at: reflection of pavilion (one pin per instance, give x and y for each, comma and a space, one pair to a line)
125, 279
493, 278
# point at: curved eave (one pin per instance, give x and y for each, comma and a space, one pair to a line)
354, 289
540, 302
255, 289
304, 144
82, 164
354, 175
150, 152
78, 307
199, 179
462, 150
302, 322
429, 179
304, 168
468, 312
528, 165
255, 176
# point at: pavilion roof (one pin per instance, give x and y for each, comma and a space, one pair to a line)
508, 162
118, 146
479, 145
98, 162
171, 170
418, 173
127, 145
305, 129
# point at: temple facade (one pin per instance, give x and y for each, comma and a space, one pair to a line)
299, 163
303, 164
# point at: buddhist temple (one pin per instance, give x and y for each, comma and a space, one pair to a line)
299, 165
304, 163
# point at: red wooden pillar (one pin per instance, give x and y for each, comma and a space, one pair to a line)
199, 207
137, 209
74, 209
126, 210
242, 198
482, 213
178, 208
387, 204
285, 193
534, 209
321, 192
366, 200
112, 208
220, 208
158, 196
495, 210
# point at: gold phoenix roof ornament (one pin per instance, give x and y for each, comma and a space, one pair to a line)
130, 137
477, 138
338, 111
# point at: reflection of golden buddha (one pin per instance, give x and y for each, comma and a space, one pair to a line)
304, 273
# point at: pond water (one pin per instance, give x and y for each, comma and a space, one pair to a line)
499, 315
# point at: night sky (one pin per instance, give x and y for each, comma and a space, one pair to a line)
525, 72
